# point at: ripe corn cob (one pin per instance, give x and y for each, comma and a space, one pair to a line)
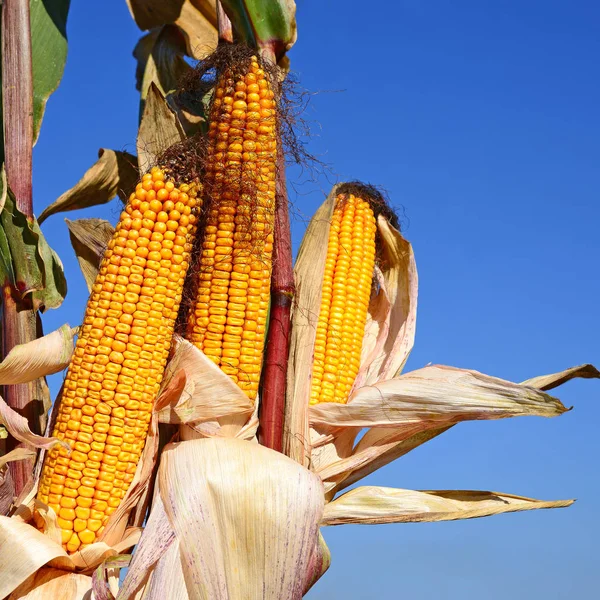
119, 359
227, 319
345, 297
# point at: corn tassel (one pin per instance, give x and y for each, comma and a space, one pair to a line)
227, 319
119, 359
345, 298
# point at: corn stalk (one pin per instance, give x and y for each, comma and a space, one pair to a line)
19, 321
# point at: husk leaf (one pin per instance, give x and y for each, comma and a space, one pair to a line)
436, 396
548, 382
89, 238
217, 491
44, 356
54, 584
401, 283
308, 274
159, 129
207, 393
375, 505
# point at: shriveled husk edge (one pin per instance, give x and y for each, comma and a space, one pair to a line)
378, 505
193, 389
215, 490
412, 409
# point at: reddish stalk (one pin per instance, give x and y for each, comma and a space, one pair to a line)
272, 400
18, 318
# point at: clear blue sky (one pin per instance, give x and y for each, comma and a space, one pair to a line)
481, 120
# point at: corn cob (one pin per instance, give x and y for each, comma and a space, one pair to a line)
345, 298
227, 319
119, 359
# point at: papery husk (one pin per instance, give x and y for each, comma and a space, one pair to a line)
44, 356
159, 129
380, 446
206, 394
436, 396
54, 584
89, 238
157, 539
378, 505
399, 273
308, 274
548, 382
215, 491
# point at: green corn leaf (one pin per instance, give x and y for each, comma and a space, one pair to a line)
264, 24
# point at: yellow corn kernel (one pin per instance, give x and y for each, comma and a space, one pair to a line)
234, 268
121, 319
347, 280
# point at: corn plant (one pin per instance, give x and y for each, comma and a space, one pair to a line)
200, 337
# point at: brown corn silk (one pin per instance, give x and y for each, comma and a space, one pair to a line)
227, 317
120, 357
347, 282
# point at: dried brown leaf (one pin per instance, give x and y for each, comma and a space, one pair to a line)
113, 173
89, 238
548, 382
159, 129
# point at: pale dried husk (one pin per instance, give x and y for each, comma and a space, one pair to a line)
378, 505
48, 583
219, 490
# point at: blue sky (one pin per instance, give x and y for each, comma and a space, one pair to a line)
481, 121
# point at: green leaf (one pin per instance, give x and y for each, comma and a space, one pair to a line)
48, 50
264, 24
31, 265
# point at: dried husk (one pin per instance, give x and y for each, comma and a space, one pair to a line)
220, 490
54, 584
89, 238
38, 358
372, 505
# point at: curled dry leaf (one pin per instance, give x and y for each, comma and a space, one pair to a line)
548, 382
18, 427
17, 454
399, 272
159, 129
53, 583
89, 238
113, 173
196, 18
38, 358
213, 492
207, 393
437, 396
373, 505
